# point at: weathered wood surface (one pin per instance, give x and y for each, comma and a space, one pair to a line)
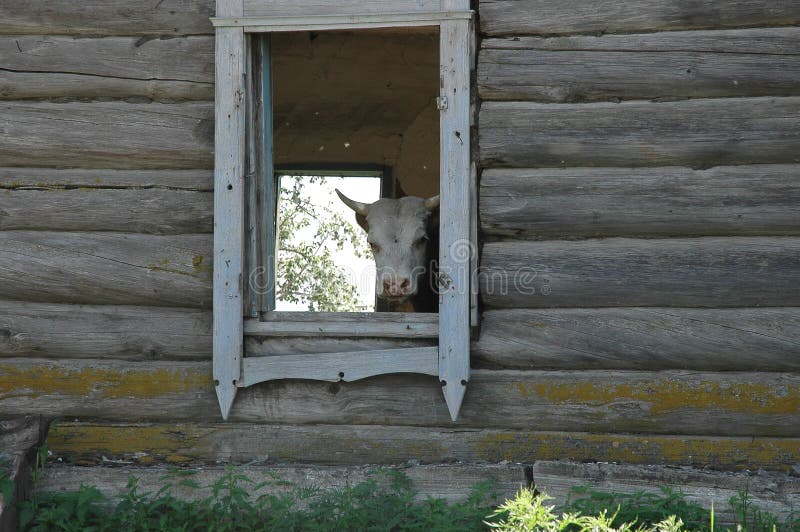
19, 439
665, 201
763, 339
549, 17
289, 345
57, 178
118, 67
775, 493
300, 8
669, 402
625, 272
107, 135
345, 324
698, 133
106, 17
760, 62
344, 366
86, 442
449, 482
152, 211
106, 268
125, 332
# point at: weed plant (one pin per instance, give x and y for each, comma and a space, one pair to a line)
385, 501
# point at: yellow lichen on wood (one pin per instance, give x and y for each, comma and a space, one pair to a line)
667, 395
99, 382
725, 453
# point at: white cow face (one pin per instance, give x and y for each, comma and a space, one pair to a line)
397, 232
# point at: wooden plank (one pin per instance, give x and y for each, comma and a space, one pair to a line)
296, 345
631, 402
106, 17
665, 201
452, 482
67, 178
659, 65
760, 41
550, 17
107, 135
184, 443
754, 339
622, 272
309, 8
229, 207
106, 268
118, 67
151, 211
345, 324
341, 366
133, 333
776, 494
698, 133
454, 213
19, 440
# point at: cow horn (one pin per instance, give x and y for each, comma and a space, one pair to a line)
432, 203
360, 208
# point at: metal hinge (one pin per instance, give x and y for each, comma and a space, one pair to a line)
441, 103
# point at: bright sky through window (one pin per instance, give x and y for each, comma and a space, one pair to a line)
324, 262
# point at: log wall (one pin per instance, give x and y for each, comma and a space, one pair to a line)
640, 278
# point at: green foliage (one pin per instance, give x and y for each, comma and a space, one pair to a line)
645, 508
384, 501
306, 272
753, 519
6, 484
527, 512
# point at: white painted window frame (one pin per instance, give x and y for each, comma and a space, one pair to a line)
449, 361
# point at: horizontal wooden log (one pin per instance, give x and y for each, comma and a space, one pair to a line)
577, 339
762, 41
185, 443
452, 482
698, 133
774, 493
58, 178
666, 201
107, 135
763, 339
106, 268
630, 67
113, 67
549, 17
106, 17
152, 211
673, 402
622, 272
133, 333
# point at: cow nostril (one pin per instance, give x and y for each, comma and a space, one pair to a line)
405, 284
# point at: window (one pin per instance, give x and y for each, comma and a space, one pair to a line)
246, 192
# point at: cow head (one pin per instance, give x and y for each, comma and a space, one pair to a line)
397, 232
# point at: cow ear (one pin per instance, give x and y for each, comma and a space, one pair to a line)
362, 221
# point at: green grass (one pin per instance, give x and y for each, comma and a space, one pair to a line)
384, 501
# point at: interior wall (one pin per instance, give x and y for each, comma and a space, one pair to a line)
359, 97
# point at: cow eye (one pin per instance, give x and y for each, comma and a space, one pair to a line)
421, 240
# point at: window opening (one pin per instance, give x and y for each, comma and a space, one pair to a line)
323, 259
